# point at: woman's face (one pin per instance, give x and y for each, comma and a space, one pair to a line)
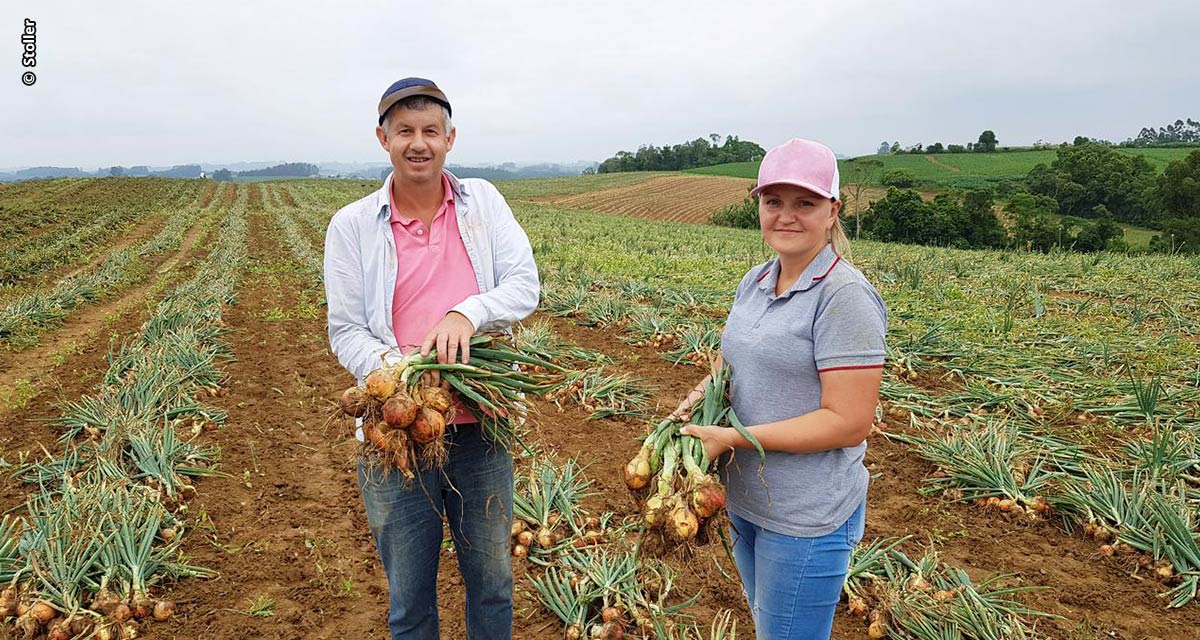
795, 221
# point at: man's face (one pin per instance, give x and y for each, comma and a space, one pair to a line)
417, 142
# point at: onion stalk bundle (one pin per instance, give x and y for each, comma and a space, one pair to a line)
546, 511
685, 494
405, 413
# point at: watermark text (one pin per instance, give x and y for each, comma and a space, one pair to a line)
29, 52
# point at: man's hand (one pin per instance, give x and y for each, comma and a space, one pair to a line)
450, 336
713, 438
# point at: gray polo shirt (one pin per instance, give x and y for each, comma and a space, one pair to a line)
830, 319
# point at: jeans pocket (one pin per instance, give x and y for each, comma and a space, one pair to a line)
856, 525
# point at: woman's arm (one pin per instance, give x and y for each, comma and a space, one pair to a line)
848, 399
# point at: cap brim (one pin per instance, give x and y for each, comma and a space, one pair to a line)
795, 183
418, 90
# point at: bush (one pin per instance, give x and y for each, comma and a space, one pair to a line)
1085, 176
902, 178
1178, 236
902, 216
1178, 188
743, 215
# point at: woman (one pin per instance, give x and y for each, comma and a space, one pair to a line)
805, 340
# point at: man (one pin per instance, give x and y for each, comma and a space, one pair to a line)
424, 263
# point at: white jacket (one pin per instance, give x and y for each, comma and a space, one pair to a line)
360, 271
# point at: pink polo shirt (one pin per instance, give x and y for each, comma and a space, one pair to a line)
433, 273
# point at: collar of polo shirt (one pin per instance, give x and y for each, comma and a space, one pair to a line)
813, 274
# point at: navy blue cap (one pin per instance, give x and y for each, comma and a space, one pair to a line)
409, 87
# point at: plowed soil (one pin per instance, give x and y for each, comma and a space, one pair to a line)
677, 198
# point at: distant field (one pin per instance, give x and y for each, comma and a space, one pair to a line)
251, 179
960, 169
688, 197
676, 197
571, 185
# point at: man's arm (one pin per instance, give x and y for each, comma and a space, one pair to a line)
350, 339
517, 289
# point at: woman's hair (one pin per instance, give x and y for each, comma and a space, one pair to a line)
838, 238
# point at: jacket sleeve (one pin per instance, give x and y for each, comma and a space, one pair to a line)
350, 338
517, 290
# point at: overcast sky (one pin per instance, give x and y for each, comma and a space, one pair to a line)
164, 83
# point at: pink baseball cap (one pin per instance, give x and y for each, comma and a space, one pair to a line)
802, 163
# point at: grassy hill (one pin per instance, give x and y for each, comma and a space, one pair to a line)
962, 169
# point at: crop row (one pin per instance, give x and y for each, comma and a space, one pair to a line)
100, 536
26, 316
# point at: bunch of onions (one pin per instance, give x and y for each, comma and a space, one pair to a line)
405, 413
685, 494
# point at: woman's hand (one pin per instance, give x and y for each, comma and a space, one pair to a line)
714, 439
683, 412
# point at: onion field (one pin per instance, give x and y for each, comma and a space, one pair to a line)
173, 462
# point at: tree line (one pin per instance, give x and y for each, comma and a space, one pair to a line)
285, 170
1182, 132
700, 152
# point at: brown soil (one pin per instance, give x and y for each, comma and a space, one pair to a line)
34, 366
677, 198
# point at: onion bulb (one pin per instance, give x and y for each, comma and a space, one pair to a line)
163, 609
104, 602
42, 612
122, 612
518, 526
610, 631
400, 411
877, 630
520, 551
373, 435
653, 513
60, 629
8, 602
683, 522
707, 497
525, 538
355, 402
381, 383
856, 607
143, 606
429, 426
436, 398
637, 471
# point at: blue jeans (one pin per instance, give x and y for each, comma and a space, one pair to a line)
474, 492
793, 584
